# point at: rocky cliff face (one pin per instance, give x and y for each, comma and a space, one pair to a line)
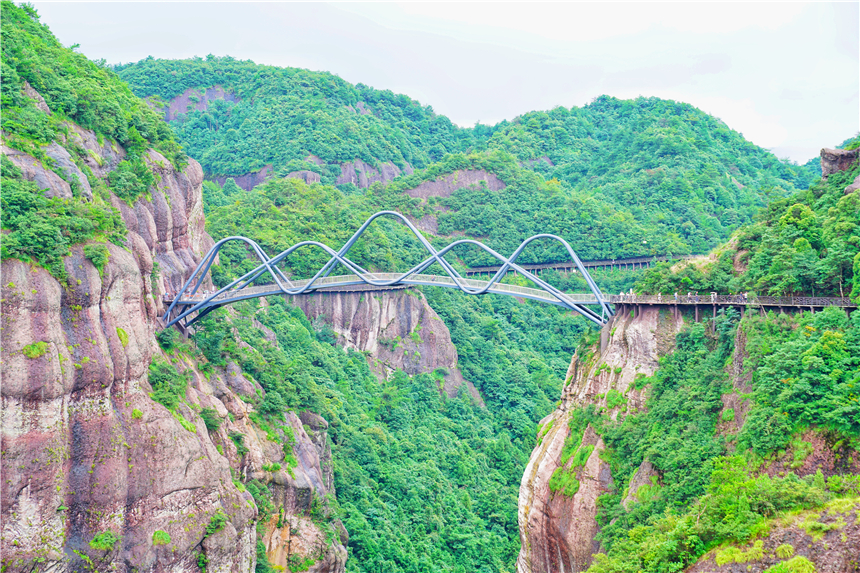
87, 454
190, 100
364, 175
556, 530
821, 541
397, 328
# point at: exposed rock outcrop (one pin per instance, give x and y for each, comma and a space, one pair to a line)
86, 451
397, 328
193, 99
305, 175
833, 160
247, 181
33, 170
445, 186
557, 531
363, 175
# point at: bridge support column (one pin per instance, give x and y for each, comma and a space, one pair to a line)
697, 313
604, 337
714, 324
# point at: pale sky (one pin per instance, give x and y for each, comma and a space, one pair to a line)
786, 75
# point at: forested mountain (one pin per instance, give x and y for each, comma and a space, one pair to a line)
286, 114
745, 421
683, 177
250, 444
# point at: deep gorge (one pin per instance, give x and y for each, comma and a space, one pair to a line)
418, 429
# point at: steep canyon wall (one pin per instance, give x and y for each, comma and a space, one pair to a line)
86, 451
557, 531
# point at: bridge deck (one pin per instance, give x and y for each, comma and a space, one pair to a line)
352, 283
733, 300
348, 283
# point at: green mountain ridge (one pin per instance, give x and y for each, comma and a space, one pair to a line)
424, 482
666, 165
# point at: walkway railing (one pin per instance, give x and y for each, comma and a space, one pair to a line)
335, 283
567, 266
733, 299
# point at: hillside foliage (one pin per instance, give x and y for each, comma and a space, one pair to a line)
675, 174
803, 371
807, 243
75, 88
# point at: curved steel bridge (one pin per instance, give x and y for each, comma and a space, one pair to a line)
188, 306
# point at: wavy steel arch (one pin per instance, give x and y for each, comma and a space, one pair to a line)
236, 290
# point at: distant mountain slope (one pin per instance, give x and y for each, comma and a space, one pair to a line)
284, 114
669, 168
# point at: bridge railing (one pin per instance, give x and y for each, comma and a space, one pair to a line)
588, 264
343, 280
733, 299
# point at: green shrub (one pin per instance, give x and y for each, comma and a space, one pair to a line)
239, 440
160, 537
581, 456
35, 350
216, 524
168, 386
168, 339
728, 415
130, 180
211, 419
564, 481
614, 398
784, 551
136, 414
104, 541
798, 564
123, 336
98, 254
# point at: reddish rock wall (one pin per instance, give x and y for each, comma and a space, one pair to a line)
364, 175
445, 186
557, 531
397, 328
85, 450
833, 160
194, 99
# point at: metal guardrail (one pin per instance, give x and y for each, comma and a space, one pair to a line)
340, 281
733, 299
328, 284
588, 264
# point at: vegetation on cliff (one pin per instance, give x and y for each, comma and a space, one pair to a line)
41, 230
87, 93
803, 372
807, 243
77, 92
